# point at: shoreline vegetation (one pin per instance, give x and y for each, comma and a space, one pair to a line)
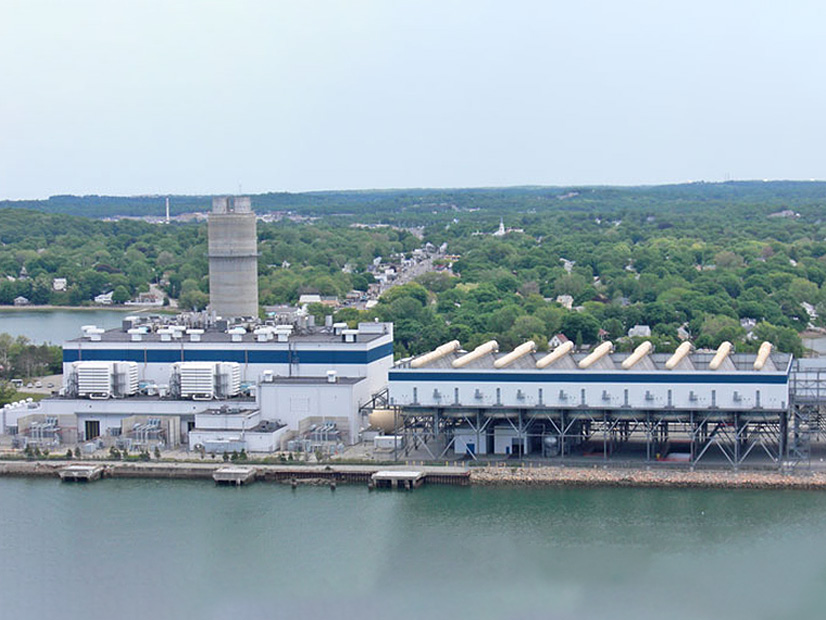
542, 476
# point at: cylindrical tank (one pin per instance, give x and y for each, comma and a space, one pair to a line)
233, 259
383, 419
550, 446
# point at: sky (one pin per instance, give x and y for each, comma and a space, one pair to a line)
198, 97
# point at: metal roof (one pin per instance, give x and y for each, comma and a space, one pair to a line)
697, 361
214, 336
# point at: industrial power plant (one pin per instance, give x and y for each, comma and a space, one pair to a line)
226, 380
681, 406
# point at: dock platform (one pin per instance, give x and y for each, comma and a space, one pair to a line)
395, 479
234, 475
81, 473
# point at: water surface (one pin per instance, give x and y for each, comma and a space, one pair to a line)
138, 549
55, 326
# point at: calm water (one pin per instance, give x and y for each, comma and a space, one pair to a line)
165, 549
55, 326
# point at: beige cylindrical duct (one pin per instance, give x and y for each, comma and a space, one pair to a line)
520, 351
597, 354
558, 353
383, 419
762, 355
722, 353
639, 353
435, 354
483, 349
683, 350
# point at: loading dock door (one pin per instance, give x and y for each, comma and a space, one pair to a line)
92, 429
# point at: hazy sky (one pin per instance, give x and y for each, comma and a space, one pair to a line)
112, 97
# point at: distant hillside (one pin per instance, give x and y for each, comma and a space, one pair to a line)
416, 204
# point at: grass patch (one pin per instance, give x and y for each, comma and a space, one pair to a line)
35, 397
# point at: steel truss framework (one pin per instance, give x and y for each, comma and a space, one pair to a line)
807, 393
783, 437
695, 435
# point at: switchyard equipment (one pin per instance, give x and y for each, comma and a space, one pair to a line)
45, 433
684, 406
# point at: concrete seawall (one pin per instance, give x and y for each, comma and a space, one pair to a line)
456, 476
300, 474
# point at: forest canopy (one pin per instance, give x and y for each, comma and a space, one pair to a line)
711, 262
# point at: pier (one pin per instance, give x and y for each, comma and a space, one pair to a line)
234, 475
81, 473
398, 478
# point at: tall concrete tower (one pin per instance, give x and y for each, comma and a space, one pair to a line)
233, 258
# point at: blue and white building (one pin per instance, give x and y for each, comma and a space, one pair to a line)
297, 378
688, 405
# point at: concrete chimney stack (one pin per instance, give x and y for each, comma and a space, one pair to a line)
233, 258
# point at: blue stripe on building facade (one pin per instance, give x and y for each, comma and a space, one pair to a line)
251, 356
586, 377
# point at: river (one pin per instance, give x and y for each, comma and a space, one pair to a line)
187, 549
55, 326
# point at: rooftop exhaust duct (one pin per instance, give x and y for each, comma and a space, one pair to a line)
483, 349
680, 354
558, 353
596, 355
438, 353
520, 351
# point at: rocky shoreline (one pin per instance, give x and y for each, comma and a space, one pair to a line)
655, 478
